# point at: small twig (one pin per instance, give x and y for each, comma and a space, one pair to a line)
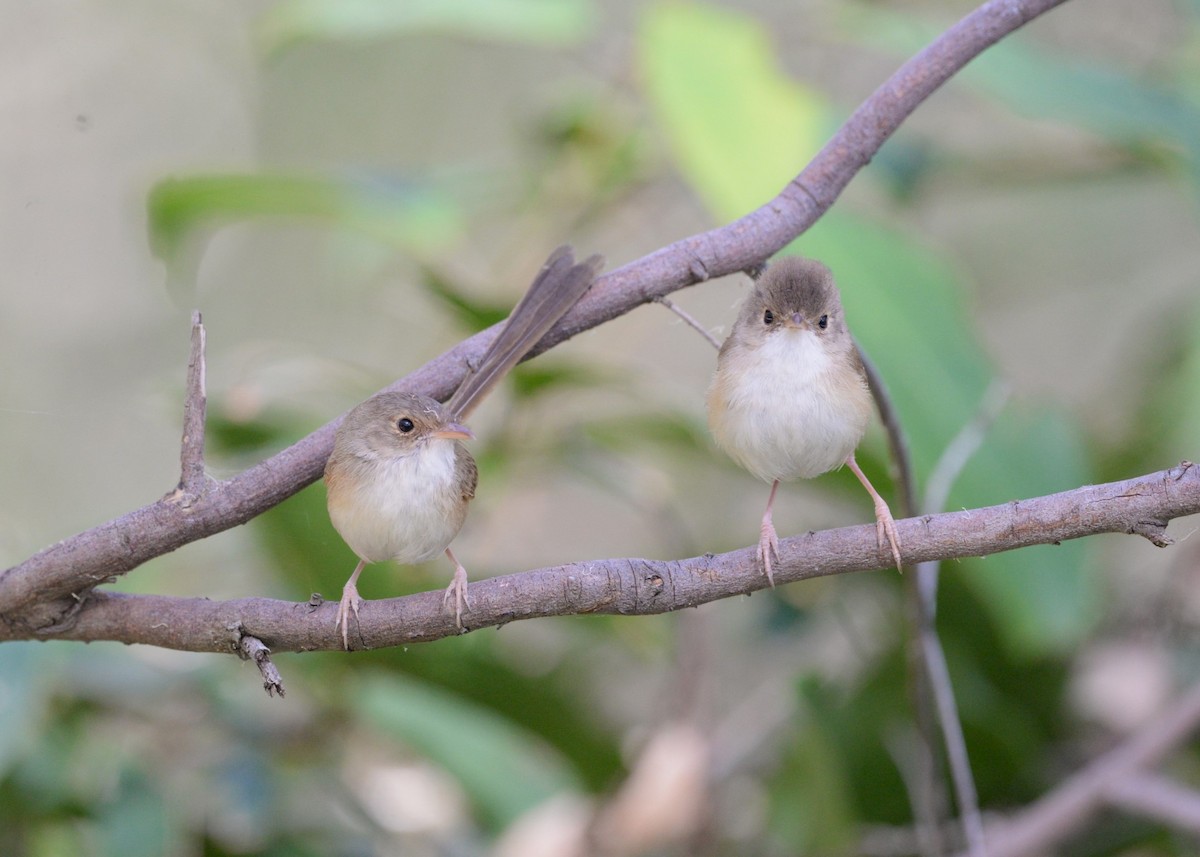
253, 649
195, 409
754, 723
906, 483
1156, 796
949, 466
912, 754
964, 445
925, 793
945, 473
689, 319
934, 659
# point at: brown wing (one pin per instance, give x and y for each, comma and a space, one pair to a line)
468, 470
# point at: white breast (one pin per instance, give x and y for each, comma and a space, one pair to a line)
411, 514
779, 415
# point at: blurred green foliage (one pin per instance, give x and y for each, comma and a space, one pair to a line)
104, 752
183, 212
540, 23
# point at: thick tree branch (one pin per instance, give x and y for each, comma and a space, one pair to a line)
629, 586
69, 569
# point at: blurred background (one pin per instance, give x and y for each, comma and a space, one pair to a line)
345, 189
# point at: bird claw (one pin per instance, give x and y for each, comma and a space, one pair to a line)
885, 531
457, 590
768, 546
351, 601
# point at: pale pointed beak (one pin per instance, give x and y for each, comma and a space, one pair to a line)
454, 431
797, 319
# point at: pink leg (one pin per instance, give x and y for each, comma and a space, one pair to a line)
457, 589
350, 601
885, 524
768, 541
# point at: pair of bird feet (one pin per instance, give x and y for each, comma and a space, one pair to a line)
768, 551
885, 527
456, 595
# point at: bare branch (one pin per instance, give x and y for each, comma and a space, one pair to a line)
1036, 829
689, 320
87, 559
934, 657
195, 412
964, 445
253, 649
1157, 797
922, 591
629, 586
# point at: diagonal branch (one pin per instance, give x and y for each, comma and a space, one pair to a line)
631, 586
1063, 811
1158, 797
69, 569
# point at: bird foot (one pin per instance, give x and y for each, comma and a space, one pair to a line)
885, 531
885, 524
768, 546
351, 601
457, 591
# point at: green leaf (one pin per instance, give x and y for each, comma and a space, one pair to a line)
136, 823
1045, 598
182, 211
1180, 412
530, 380
472, 313
738, 127
674, 431
503, 768
1105, 100
23, 688
550, 23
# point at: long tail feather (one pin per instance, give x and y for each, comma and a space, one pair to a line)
560, 283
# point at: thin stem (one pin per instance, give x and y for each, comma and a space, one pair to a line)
928, 794
690, 320
924, 588
195, 410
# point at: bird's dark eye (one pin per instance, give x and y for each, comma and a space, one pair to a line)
768, 317
823, 322
404, 424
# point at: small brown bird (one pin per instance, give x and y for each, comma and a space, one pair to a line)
789, 399
399, 479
